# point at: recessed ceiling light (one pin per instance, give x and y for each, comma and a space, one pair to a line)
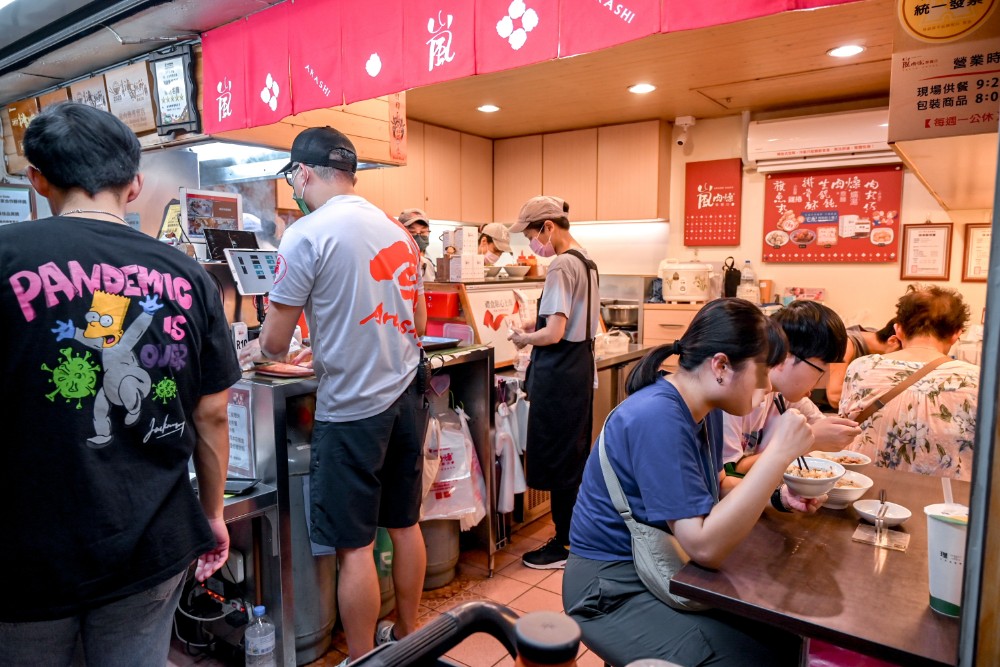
845, 51
488, 108
641, 88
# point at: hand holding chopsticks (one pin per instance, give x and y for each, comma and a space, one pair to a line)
779, 403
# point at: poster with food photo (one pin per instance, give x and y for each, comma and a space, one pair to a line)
848, 215
201, 209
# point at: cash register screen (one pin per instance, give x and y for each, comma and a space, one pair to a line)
253, 270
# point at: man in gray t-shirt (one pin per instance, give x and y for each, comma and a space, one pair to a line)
354, 271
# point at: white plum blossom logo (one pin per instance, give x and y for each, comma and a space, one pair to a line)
517, 11
374, 65
269, 94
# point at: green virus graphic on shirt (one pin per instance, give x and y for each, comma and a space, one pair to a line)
74, 378
125, 382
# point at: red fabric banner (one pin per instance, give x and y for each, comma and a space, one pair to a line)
269, 95
372, 39
591, 26
315, 55
224, 78
513, 33
687, 15
438, 41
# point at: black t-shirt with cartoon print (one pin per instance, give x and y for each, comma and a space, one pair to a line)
108, 339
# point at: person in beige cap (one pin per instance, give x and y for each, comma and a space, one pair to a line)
419, 226
494, 241
560, 379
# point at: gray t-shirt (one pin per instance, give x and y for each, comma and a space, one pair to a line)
565, 292
356, 273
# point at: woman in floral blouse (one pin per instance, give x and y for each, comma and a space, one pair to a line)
929, 428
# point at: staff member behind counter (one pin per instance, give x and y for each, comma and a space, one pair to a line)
494, 243
562, 373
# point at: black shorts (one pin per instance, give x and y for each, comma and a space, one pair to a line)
368, 473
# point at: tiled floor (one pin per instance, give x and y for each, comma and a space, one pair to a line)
522, 589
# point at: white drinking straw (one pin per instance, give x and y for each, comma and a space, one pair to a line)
946, 487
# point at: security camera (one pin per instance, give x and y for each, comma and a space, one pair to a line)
684, 123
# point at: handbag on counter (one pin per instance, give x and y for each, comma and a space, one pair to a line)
656, 553
730, 277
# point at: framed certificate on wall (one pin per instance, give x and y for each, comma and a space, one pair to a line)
926, 252
976, 255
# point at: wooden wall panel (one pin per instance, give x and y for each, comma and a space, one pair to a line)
569, 170
517, 175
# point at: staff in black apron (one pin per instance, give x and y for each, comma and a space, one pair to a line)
560, 381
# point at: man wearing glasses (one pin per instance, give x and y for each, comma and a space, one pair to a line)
417, 223
355, 273
816, 339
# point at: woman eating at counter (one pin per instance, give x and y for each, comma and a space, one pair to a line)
664, 445
930, 426
561, 377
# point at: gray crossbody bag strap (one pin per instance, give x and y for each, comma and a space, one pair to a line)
656, 553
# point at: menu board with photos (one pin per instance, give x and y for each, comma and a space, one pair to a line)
833, 215
201, 209
712, 202
130, 96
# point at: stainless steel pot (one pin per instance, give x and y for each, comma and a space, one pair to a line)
620, 314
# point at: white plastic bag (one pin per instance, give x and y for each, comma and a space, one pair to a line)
472, 519
452, 493
511, 473
432, 457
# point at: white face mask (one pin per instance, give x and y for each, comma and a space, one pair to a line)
491, 258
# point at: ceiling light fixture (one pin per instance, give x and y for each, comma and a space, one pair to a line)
845, 51
641, 88
488, 108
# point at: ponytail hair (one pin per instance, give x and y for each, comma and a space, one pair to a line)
734, 327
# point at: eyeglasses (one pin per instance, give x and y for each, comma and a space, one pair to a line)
290, 174
809, 363
426, 233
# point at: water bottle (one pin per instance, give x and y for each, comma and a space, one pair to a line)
258, 639
748, 288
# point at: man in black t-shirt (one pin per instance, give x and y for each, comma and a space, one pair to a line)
116, 364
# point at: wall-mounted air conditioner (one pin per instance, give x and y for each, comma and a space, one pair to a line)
842, 139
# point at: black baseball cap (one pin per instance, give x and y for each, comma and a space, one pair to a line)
313, 147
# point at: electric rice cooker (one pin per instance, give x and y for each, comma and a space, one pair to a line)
685, 281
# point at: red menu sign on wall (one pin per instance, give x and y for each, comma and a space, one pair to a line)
833, 215
712, 202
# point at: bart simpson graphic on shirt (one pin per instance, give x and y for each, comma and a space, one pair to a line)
125, 382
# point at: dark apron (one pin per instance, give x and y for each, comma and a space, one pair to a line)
560, 386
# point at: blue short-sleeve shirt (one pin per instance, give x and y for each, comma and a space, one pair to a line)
667, 465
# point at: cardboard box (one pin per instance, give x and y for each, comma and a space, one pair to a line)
464, 239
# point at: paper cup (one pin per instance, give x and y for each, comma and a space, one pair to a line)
947, 525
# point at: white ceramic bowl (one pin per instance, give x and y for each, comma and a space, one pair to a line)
515, 271
842, 496
845, 458
491, 271
868, 508
813, 487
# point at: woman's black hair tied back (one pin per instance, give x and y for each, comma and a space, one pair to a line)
676, 348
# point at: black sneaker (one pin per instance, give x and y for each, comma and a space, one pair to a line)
550, 556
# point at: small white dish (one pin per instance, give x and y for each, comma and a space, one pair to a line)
846, 458
813, 487
894, 515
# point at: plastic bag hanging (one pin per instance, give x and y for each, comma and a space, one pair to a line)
511, 473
